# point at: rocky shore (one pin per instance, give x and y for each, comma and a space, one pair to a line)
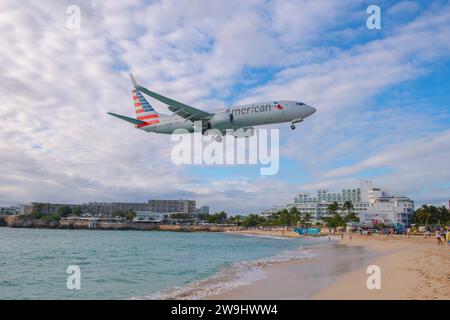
74, 224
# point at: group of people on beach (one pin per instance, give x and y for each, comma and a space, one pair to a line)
439, 234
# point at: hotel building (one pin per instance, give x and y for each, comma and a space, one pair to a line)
106, 209
370, 204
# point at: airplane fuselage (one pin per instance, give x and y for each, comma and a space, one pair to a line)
242, 116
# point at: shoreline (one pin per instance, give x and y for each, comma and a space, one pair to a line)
317, 268
78, 224
414, 268
411, 269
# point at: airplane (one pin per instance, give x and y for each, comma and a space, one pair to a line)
243, 117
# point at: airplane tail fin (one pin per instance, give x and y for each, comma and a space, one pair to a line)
144, 111
145, 114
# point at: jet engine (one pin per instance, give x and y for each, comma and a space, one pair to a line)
244, 132
221, 120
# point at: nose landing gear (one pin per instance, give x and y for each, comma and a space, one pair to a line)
295, 121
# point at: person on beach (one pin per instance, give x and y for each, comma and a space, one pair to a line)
408, 233
438, 237
350, 234
342, 235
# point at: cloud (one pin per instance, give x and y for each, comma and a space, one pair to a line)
58, 144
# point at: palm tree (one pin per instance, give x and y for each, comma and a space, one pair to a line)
333, 208
236, 219
307, 217
348, 207
274, 217
293, 216
284, 217
443, 215
424, 214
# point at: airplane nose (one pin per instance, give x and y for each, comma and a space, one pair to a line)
311, 110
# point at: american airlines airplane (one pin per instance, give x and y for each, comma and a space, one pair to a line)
242, 117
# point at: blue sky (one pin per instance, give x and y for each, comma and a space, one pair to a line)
382, 99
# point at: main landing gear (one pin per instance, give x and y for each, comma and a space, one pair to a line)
217, 136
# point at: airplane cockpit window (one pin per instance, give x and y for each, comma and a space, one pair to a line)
300, 103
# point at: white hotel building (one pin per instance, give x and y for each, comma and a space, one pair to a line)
370, 204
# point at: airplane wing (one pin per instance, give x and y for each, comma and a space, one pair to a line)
181, 109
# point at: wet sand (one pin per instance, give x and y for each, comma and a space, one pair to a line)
416, 268
300, 279
413, 268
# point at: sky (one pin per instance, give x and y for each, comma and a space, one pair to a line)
382, 98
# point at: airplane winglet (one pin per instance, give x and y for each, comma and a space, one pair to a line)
133, 80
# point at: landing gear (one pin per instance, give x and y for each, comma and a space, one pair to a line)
214, 133
295, 121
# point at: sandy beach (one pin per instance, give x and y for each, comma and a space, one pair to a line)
414, 268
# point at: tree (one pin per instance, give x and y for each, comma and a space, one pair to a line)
284, 218
294, 216
128, 215
351, 217
252, 220
65, 211
235, 220
274, 218
333, 208
423, 215
77, 211
307, 217
334, 221
216, 218
348, 207
221, 216
443, 215
426, 215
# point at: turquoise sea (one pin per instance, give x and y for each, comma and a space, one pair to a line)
134, 264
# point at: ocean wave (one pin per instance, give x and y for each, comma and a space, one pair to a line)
231, 277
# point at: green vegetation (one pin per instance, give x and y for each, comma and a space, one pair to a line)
288, 218
216, 218
65, 211
51, 217
339, 216
128, 215
181, 216
252, 220
334, 221
40, 216
427, 215
77, 211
